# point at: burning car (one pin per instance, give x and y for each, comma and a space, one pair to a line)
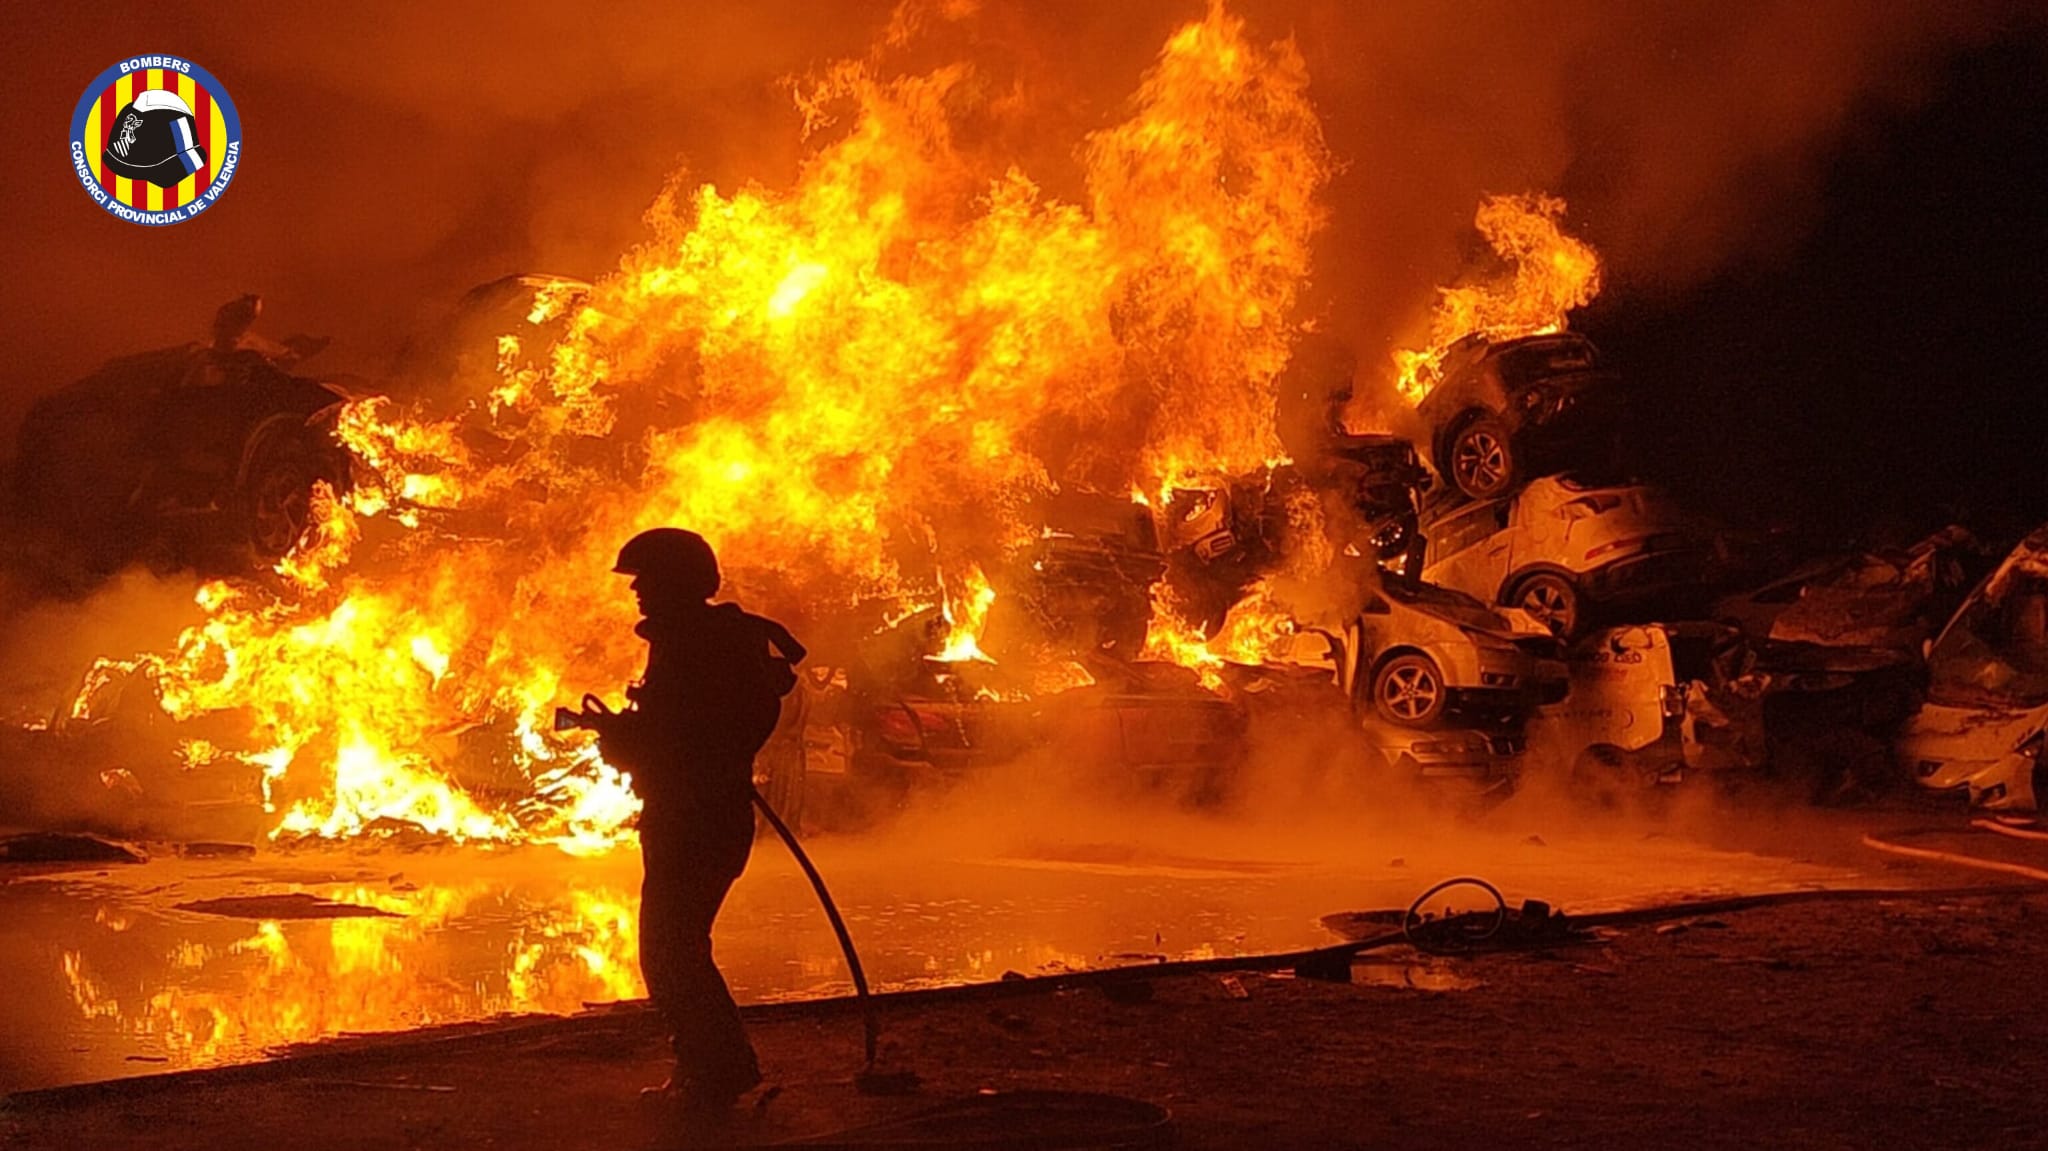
1506, 408
1980, 731
1221, 538
1559, 546
1148, 728
1084, 584
464, 349
201, 455
1418, 655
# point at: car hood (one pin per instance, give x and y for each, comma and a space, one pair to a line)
1946, 732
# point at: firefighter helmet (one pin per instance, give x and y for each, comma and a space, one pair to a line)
672, 554
153, 140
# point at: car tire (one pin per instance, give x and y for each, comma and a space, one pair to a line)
1552, 599
1409, 690
275, 496
1482, 459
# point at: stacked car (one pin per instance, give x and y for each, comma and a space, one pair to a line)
1980, 732
1531, 521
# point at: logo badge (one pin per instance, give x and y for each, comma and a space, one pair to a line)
155, 140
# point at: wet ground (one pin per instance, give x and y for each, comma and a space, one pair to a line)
108, 975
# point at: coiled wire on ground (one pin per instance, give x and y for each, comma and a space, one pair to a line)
1453, 932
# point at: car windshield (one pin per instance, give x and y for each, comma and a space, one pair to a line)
1997, 649
1455, 606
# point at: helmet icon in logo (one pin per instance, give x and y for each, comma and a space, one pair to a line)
153, 140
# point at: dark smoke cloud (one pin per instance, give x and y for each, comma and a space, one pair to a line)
398, 153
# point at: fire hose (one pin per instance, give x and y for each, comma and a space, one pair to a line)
870, 1024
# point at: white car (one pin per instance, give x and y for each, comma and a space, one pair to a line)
1416, 654
1650, 701
1980, 731
1482, 760
1560, 544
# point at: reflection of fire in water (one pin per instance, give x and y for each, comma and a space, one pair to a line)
847, 386
1553, 274
311, 979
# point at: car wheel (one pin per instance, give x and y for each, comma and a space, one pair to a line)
1409, 690
1483, 459
277, 491
1552, 599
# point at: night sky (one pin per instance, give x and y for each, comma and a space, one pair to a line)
1891, 368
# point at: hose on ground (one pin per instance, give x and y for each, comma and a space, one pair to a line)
1465, 935
870, 1025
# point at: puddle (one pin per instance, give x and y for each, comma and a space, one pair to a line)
127, 970
1436, 976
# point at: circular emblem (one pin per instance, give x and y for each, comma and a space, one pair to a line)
155, 140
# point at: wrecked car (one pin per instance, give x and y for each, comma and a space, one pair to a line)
1419, 656
1648, 702
1150, 728
463, 354
202, 455
1362, 490
1511, 409
1084, 584
1374, 486
1560, 546
1892, 598
1220, 538
1979, 734
1302, 701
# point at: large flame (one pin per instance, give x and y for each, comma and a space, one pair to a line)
848, 386
1552, 274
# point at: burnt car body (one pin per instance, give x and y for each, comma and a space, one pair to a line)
461, 356
1504, 410
1221, 538
1084, 585
1894, 598
192, 456
1980, 732
1145, 729
1651, 703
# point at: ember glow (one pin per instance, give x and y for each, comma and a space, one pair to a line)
1553, 273
853, 387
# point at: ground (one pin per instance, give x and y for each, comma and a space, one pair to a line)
1912, 1020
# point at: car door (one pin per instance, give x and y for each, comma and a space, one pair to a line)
1471, 549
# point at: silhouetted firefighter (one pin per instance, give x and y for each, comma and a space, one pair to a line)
710, 697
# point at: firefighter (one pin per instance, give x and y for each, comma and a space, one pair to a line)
709, 699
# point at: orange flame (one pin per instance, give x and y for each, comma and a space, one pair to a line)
1554, 273
843, 385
